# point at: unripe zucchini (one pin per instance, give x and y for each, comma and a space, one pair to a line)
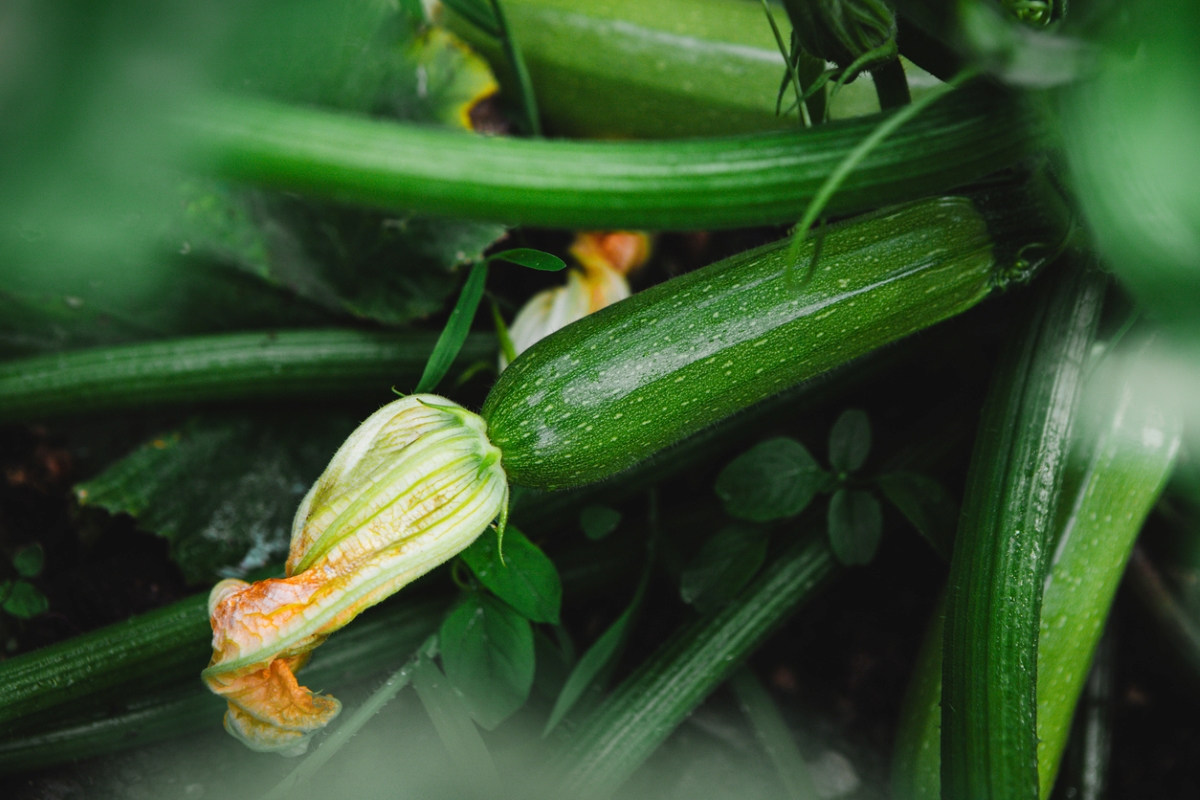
611, 389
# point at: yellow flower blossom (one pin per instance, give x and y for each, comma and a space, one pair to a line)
416, 483
605, 258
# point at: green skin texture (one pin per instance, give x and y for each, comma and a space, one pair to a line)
220, 367
619, 385
644, 68
1130, 463
1000, 559
687, 184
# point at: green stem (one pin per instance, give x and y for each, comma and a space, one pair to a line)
346, 730
997, 573
773, 734
891, 85
218, 368
685, 184
792, 68
643, 711
528, 102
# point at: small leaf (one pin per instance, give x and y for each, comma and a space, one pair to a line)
25, 601
29, 561
487, 650
528, 257
456, 330
527, 580
599, 658
5, 591
774, 479
599, 521
926, 504
452, 721
725, 564
855, 526
850, 441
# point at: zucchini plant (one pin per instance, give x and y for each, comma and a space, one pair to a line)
260, 244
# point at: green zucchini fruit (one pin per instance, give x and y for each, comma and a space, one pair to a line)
642, 68
1117, 471
220, 367
998, 569
608, 391
728, 182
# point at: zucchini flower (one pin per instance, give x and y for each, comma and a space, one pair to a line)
412, 486
606, 258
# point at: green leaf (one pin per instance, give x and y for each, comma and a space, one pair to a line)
456, 330
222, 489
850, 441
25, 601
926, 504
599, 521
724, 565
855, 526
29, 561
452, 721
487, 650
389, 268
774, 479
528, 257
526, 579
599, 659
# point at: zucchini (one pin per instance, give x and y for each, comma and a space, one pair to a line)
613, 388
220, 367
994, 592
1121, 465
642, 68
729, 182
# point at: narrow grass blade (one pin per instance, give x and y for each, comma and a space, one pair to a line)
598, 658
643, 711
342, 735
454, 335
512, 51
773, 735
882, 131
454, 726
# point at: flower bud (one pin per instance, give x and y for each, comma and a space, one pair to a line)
412, 486
843, 31
606, 259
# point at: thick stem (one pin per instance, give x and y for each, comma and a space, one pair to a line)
891, 86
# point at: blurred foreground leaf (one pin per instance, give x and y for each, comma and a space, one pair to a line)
487, 649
